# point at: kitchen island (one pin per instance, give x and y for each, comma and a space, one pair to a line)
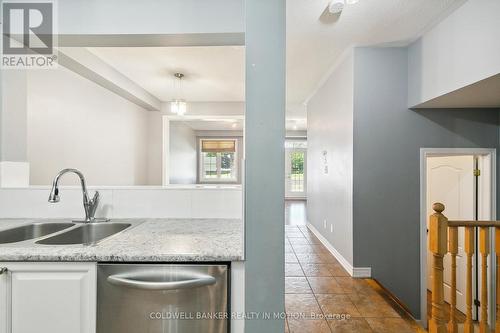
153, 264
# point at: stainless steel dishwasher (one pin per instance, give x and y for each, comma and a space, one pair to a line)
158, 298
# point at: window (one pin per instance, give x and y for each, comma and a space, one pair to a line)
218, 160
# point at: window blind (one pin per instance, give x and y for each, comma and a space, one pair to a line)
217, 146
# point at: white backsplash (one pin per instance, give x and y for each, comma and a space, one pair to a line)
126, 202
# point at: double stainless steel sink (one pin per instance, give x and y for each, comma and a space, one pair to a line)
88, 233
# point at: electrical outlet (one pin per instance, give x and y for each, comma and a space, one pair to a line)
331, 227
324, 224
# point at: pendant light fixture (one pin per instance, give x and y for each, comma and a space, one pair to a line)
178, 105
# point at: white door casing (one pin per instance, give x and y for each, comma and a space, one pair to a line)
450, 180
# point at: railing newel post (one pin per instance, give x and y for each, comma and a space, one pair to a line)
438, 239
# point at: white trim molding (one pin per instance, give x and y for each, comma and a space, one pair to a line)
355, 272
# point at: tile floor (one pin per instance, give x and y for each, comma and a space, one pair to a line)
320, 295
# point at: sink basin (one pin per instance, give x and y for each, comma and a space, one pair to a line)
85, 234
31, 231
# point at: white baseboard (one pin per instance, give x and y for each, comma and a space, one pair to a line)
356, 272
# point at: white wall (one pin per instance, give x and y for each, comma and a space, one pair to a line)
330, 129
155, 148
183, 154
72, 122
13, 116
462, 49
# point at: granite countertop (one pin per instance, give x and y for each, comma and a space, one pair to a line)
147, 240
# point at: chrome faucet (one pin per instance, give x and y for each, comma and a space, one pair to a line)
89, 205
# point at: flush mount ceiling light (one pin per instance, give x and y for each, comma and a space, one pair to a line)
178, 105
337, 6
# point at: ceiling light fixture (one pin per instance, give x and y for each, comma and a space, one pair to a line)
178, 105
336, 6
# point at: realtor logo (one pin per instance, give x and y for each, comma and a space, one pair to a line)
28, 34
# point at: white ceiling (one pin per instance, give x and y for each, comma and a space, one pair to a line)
212, 74
315, 41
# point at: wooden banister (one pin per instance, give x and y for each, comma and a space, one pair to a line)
469, 252
453, 249
438, 225
443, 239
484, 249
474, 223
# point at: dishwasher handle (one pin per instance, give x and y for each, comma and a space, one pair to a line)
141, 282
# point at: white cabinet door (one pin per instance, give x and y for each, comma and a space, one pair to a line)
48, 298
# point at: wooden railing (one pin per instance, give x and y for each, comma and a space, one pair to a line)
443, 239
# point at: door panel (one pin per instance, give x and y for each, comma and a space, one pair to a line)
295, 172
450, 180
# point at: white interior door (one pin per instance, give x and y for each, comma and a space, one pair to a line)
295, 172
450, 180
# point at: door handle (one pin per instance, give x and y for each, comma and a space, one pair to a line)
3, 270
153, 281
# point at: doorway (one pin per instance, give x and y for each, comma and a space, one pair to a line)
295, 169
463, 180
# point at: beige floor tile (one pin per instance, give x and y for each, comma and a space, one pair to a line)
324, 285
294, 234
337, 305
338, 270
389, 325
293, 270
302, 305
320, 249
308, 326
290, 258
316, 270
303, 248
313, 240
313, 258
297, 285
351, 285
372, 306
298, 241
353, 325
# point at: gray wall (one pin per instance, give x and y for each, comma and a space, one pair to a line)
264, 182
387, 140
183, 154
330, 129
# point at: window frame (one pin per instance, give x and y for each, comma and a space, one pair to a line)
218, 180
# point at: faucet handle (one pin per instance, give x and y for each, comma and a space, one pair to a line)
93, 204
96, 198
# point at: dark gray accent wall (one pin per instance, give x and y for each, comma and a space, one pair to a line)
386, 170
264, 163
